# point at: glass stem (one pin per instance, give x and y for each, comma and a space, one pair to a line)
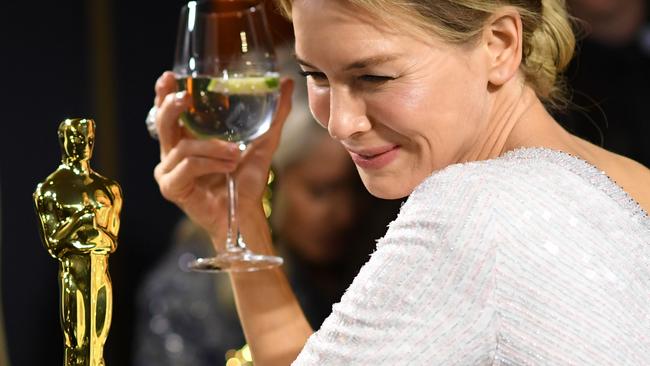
234, 241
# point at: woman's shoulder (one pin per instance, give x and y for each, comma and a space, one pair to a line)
528, 180
510, 175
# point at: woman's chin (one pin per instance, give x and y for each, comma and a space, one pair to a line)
386, 188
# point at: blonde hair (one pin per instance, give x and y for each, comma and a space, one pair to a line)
548, 38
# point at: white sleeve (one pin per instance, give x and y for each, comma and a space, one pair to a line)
425, 297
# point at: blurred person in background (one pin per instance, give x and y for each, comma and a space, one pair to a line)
188, 318
610, 77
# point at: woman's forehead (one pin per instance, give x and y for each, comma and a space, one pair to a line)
338, 26
319, 15
356, 39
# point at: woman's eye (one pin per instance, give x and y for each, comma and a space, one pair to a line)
316, 76
376, 79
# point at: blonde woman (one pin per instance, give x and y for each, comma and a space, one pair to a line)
515, 247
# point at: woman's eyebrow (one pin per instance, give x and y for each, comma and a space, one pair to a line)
371, 61
358, 64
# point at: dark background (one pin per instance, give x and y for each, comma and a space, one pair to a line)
95, 59
92, 59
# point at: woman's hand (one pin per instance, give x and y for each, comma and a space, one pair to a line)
191, 172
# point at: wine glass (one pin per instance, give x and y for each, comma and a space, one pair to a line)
225, 61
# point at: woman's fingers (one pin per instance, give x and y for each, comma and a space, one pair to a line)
165, 84
170, 131
211, 149
181, 170
189, 164
170, 104
179, 183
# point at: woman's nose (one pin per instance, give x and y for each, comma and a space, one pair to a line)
347, 115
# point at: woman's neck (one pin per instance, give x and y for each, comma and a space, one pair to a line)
519, 119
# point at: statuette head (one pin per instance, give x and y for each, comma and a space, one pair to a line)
77, 137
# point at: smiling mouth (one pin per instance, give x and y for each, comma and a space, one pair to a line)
372, 153
374, 158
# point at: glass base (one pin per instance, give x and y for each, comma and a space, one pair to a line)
235, 261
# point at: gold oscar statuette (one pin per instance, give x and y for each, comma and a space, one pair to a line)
79, 220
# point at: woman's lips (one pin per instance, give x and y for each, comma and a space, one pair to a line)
376, 158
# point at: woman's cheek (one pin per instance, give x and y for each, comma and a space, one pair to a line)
399, 108
319, 104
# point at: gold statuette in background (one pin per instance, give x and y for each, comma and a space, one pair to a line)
79, 220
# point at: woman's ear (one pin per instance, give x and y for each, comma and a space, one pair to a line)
502, 37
